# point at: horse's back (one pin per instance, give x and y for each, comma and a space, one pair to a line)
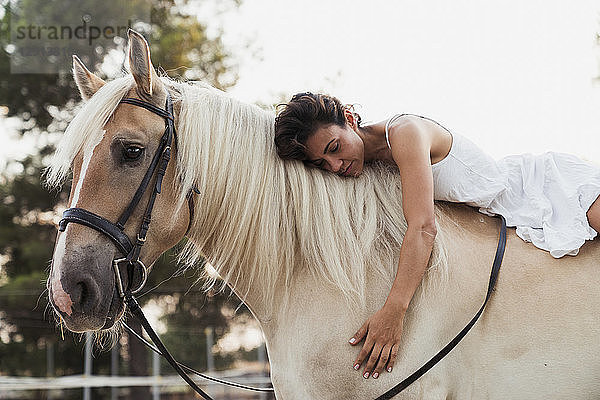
537, 338
540, 333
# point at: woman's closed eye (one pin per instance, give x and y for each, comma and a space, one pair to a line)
321, 162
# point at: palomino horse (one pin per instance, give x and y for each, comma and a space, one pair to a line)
313, 255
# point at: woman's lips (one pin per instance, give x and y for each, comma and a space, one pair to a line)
347, 169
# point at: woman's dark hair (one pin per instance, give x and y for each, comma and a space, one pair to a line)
301, 117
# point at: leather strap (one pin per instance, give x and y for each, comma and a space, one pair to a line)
115, 232
193, 371
101, 224
444, 352
167, 114
136, 310
144, 184
159, 164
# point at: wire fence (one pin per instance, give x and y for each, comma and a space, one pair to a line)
162, 387
116, 387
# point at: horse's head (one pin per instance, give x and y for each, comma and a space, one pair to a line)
107, 172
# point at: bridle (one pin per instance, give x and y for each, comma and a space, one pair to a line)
136, 272
130, 269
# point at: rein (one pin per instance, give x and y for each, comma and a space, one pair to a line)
444, 352
131, 273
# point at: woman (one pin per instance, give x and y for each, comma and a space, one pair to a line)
552, 198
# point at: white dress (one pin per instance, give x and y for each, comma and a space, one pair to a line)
546, 197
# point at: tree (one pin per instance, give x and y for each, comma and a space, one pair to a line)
177, 40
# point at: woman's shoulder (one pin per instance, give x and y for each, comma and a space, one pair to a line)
400, 121
402, 125
406, 127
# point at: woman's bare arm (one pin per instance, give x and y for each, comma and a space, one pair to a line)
411, 148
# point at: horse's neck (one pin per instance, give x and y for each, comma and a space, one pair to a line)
308, 338
461, 228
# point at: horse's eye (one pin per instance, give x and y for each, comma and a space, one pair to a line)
132, 152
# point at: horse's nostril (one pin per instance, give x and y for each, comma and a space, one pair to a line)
85, 295
81, 290
77, 294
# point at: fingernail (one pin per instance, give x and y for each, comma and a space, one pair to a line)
356, 366
351, 341
366, 375
375, 375
389, 369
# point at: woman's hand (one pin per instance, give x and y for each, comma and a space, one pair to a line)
382, 331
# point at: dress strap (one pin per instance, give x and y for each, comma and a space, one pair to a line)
387, 126
395, 117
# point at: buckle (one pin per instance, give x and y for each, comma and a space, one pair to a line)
140, 275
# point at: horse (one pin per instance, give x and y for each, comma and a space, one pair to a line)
312, 254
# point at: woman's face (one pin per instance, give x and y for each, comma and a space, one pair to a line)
336, 149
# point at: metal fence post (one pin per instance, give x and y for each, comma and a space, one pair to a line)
87, 366
114, 370
156, 374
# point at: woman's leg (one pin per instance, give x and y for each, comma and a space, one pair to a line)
593, 215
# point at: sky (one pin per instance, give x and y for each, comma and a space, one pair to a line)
514, 76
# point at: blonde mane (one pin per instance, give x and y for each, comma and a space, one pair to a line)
271, 219
259, 218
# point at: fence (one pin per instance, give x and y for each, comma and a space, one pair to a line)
163, 387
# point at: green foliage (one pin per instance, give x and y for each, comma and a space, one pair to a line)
24, 233
29, 95
177, 41
193, 315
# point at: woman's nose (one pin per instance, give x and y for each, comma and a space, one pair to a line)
336, 165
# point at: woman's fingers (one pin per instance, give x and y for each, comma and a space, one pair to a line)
380, 348
360, 334
393, 355
383, 359
363, 354
372, 360
378, 356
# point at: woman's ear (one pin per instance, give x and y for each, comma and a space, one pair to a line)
350, 118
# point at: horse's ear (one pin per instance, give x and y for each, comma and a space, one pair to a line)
140, 65
86, 81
